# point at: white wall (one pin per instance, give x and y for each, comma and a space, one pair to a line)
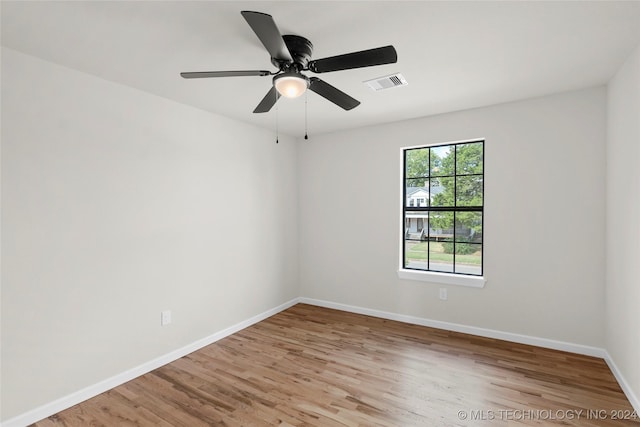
544, 207
117, 205
623, 222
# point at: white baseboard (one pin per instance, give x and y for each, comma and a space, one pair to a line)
65, 402
624, 385
472, 330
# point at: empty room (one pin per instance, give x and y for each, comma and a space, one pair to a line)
320, 213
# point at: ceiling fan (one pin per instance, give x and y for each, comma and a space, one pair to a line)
292, 55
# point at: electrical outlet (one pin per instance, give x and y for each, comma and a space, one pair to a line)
443, 294
165, 317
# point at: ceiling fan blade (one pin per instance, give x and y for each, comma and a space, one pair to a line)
363, 58
206, 74
268, 101
267, 31
334, 95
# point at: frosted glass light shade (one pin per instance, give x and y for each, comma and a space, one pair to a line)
291, 85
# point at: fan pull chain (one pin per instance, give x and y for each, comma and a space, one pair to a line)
306, 127
277, 124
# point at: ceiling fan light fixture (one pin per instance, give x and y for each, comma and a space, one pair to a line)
291, 85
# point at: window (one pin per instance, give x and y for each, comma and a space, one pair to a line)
444, 233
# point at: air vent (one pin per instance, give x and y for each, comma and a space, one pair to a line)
386, 82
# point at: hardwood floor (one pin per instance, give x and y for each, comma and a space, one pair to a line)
319, 367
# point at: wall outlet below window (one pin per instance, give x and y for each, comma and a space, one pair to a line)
165, 317
443, 294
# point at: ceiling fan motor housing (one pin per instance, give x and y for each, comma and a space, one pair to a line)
300, 49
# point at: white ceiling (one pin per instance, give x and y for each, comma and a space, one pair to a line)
455, 55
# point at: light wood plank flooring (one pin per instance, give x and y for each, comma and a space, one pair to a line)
313, 366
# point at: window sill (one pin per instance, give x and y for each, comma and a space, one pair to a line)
445, 278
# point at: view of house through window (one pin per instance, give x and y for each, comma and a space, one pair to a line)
443, 208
